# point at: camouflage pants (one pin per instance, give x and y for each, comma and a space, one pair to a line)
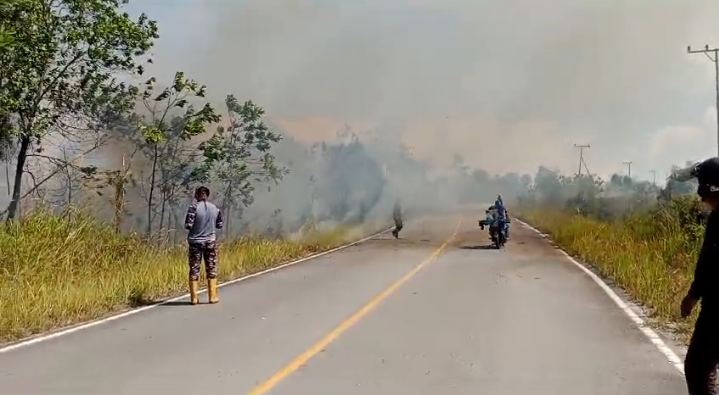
702, 357
199, 251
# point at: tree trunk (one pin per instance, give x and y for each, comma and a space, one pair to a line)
179, 225
226, 209
7, 177
118, 204
152, 191
162, 210
19, 172
69, 190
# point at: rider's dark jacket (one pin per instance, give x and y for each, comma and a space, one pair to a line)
706, 275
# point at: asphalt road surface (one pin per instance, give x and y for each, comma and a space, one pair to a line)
379, 318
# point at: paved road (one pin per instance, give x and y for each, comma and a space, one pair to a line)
473, 321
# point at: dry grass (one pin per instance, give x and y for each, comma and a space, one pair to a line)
57, 271
650, 255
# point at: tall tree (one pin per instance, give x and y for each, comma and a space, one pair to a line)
64, 69
172, 120
239, 155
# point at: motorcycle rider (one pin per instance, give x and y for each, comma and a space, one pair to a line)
488, 218
702, 357
502, 214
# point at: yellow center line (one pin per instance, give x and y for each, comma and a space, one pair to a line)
301, 359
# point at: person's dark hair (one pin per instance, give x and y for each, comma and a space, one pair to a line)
202, 189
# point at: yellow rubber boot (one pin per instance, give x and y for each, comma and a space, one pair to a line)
194, 286
212, 290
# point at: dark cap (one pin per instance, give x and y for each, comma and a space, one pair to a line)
707, 175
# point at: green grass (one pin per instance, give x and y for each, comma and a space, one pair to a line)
58, 271
651, 255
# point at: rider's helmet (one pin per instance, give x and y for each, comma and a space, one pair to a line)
707, 175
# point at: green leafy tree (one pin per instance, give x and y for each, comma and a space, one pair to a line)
9, 17
240, 155
7, 34
6, 37
64, 69
172, 121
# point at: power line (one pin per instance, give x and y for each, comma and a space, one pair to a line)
706, 51
581, 157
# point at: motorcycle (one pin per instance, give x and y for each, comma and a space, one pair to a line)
497, 234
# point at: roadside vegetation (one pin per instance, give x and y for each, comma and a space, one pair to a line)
644, 238
59, 271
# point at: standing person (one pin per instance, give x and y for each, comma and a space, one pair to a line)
201, 220
702, 357
397, 216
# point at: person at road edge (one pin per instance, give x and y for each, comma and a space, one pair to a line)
201, 220
397, 216
702, 358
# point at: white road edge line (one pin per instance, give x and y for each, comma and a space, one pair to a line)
90, 324
638, 321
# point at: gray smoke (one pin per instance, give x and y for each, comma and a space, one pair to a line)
509, 85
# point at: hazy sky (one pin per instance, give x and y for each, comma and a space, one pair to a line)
508, 84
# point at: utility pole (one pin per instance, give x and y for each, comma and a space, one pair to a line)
629, 163
706, 51
581, 156
654, 173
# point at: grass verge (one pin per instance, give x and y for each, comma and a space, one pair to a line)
650, 255
59, 271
